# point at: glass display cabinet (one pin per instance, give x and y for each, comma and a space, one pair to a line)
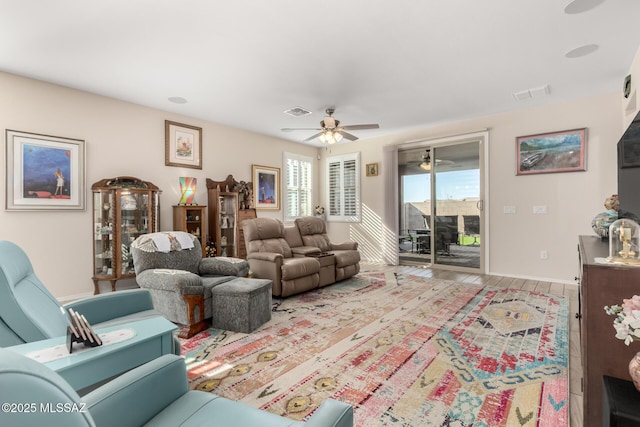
123, 209
230, 202
223, 221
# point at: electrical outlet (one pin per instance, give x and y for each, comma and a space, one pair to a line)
509, 210
540, 209
543, 254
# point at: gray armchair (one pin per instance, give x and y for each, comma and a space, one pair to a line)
28, 311
179, 279
314, 233
271, 257
154, 394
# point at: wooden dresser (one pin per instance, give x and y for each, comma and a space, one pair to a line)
602, 353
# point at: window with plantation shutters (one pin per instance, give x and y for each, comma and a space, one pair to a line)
343, 188
298, 175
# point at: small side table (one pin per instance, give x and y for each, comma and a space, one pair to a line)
620, 403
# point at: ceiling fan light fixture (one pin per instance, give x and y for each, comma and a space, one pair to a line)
426, 161
330, 137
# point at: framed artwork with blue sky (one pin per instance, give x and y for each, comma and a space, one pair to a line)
266, 187
44, 172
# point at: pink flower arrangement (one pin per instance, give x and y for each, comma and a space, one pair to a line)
627, 321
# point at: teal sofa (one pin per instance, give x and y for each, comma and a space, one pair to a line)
154, 394
28, 311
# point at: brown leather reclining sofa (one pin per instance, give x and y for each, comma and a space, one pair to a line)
299, 257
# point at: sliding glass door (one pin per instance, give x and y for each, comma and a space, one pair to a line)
441, 208
457, 205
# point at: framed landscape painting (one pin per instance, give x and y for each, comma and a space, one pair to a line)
183, 145
266, 187
44, 172
563, 151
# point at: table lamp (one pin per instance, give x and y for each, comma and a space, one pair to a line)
188, 190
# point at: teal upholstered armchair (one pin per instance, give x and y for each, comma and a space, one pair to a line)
154, 394
28, 311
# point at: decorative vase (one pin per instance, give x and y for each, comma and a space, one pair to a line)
634, 370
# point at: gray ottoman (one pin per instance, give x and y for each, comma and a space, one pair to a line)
241, 304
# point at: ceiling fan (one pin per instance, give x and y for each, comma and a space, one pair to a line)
426, 161
331, 131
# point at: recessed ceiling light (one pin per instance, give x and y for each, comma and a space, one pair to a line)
178, 100
581, 51
579, 6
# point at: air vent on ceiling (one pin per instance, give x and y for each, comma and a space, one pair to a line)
536, 92
297, 112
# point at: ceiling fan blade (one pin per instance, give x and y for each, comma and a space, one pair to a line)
313, 136
445, 162
361, 127
292, 129
347, 135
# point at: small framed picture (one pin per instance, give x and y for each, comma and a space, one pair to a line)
266, 187
183, 145
372, 169
44, 172
563, 151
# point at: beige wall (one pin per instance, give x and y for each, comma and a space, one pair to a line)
127, 139
121, 139
515, 241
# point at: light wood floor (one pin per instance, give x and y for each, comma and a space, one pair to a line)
568, 291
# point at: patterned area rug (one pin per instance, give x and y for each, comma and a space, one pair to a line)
403, 351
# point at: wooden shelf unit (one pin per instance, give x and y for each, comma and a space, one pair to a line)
193, 220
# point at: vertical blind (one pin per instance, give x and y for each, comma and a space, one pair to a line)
298, 186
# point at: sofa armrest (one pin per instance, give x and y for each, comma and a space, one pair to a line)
104, 307
301, 251
266, 256
135, 397
332, 413
223, 266
342, 246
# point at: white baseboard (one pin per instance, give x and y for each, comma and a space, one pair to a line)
540, 279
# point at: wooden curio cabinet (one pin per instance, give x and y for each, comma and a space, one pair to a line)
223, 218
123, 209
230, 202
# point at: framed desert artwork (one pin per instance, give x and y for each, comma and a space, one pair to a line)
563, 151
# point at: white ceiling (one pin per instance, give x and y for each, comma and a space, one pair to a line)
403, 64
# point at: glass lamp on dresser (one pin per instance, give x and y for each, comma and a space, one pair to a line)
123, 208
